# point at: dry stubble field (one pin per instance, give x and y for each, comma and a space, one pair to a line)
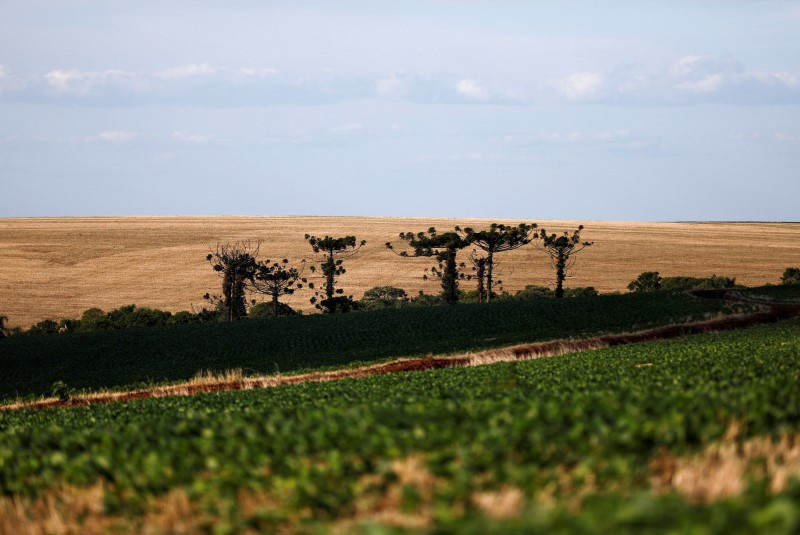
58, 267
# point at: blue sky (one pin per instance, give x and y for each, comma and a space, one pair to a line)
580, 110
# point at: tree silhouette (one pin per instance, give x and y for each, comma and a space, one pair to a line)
3, 321
277, 279
333, 252
648, 281
560, 249
479, 264
498, 238
236, 264
791, 276
444, 248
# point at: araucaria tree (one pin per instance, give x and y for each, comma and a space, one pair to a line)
3, 320
561, 249
498, 238
332, 252
444, 248
277, 279
236, 264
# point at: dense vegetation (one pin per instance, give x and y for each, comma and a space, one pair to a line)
582, 425
788, 293
115, 358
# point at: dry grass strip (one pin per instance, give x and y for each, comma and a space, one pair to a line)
234, 380
722, 470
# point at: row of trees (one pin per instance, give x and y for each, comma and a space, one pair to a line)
242, 272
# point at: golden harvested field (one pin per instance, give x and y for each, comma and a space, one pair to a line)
58, 267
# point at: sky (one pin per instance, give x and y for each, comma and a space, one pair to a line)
651, 111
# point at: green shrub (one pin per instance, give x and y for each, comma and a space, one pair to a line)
183, 317
681, 284
131, 317
581, 291
44, 327
93, 320
649, 281
264, 310
791, 276
61, 391
382, 297
532, 291
426, 300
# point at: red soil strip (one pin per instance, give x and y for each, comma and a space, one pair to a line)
773, 313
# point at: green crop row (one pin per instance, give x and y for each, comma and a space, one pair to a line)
31, 364
601, 415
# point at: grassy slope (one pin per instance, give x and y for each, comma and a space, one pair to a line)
308, 447
111, 359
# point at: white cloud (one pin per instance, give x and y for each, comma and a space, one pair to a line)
67, 81
472, 89
706, 84
392, 86
82, 82
186, 71
3, 72
115, 136
188, 137
580, 85
258, 73
350, 127
163, 157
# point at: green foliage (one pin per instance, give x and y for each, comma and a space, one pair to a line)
132, 317
127, 356
124, 317
236, 263
561, 248
791, 276
60, 390
276, 279
94, 319
382, 297
183, 318
444, 248
649, 281
426, 300
784, 292
498, 238
267, 310
682, 284
333, 251
532, 291
3, 326
44, 327
581, 291
543, 426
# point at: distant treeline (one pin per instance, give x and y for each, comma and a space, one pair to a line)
377, 298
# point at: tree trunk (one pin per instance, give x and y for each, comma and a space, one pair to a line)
329, 280
490, 265
275, 304
561, 273
481, 278
450, 278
